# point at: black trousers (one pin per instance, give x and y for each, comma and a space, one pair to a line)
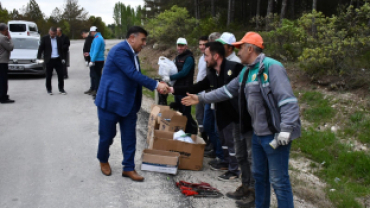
4, 81
65, 70
191, 125
58, 66
98, 68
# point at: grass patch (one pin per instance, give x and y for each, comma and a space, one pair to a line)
358, 126
344, 170
318, 108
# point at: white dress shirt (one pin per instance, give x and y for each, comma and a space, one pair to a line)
233, 57
54, 47
135, 58
202, 69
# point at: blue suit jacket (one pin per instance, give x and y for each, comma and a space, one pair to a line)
120, 89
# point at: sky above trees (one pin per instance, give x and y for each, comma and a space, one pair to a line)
101, 8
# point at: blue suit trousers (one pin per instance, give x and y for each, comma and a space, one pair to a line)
107, 132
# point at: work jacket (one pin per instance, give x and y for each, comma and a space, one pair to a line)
275, 82
226, 111
180, 61
6, 46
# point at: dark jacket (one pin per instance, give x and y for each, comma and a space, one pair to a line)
179, 61
66, 43
226, 111
87, 45
45, 48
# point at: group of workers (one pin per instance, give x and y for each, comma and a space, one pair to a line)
246, 110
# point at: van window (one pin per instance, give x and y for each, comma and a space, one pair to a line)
17, 27
26, 43
32, 27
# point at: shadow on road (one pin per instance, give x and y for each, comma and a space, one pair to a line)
25, 77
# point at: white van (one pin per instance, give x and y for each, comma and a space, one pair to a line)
23, 28
23, 58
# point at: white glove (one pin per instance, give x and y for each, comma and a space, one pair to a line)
283, 138
86, 64
166, 78
40, 61
63, 61
91, 64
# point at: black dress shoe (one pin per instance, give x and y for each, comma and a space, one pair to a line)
7, 101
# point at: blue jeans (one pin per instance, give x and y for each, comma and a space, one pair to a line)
210, 127
107, 132
271, 166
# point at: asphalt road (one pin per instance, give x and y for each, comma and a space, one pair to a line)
48, 150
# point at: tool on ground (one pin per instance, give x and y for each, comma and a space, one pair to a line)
198, 189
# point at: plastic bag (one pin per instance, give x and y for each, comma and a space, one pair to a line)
166, 67
183, 137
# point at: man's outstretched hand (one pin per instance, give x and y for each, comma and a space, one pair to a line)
190, 100
162, 88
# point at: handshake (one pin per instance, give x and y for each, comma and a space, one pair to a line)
164, 89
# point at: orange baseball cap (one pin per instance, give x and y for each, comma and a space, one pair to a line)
251, 38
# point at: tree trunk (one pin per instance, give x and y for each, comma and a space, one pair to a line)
244, 10
213, 8
230, 12
314, 5
258, 13
196, 9
314, 28
270, 7
283, 10
292, 9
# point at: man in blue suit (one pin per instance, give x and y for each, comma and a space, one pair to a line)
119, 99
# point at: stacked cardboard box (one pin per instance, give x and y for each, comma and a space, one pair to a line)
162, 124
160, 161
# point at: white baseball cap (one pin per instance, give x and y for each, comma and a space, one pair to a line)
182, 41
227, 38
93, 29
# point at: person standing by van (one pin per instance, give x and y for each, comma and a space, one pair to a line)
52, 48
66, 44
6, 46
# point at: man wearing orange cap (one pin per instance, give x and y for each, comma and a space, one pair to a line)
267, 102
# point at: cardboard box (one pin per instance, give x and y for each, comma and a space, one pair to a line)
154, 119
160, 161
191, 155
172, 121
